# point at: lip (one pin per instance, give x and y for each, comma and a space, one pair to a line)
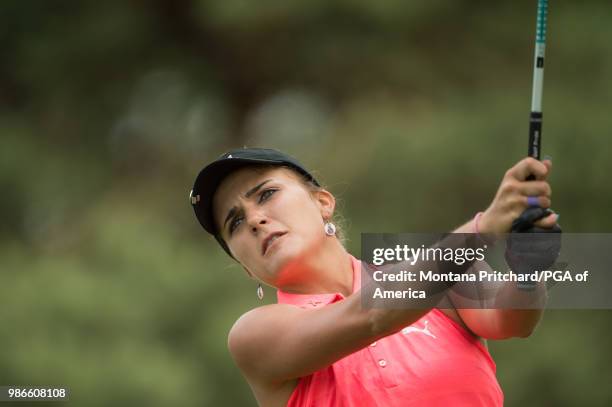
266, 243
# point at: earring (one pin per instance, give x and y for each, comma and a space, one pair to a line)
330, 229
260, 292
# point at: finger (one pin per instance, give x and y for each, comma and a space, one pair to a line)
528, 166
535, 188
548, 163
547, 222
543, 201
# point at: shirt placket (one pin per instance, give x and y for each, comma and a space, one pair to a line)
384, 362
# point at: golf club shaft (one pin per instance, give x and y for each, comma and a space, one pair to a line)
535, 118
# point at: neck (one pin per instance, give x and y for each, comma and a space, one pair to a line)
329, 271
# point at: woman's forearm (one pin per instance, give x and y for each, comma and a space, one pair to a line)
515, 322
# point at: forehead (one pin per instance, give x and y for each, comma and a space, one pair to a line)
240, 181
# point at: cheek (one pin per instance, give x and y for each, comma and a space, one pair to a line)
240, 249
245, 246
302, 214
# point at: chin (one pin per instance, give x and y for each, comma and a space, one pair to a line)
282, 255
285, 258
287, 263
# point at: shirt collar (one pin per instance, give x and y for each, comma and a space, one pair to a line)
315, 300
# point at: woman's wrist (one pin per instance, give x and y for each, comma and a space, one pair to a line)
483, 229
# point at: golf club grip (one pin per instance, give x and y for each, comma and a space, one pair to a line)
535, 137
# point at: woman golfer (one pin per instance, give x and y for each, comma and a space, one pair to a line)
317, 346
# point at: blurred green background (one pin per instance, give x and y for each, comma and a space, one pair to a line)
409, 111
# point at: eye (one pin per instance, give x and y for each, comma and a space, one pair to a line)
237, 220
235, 223
265, 195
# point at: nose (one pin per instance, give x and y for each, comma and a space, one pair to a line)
255, 221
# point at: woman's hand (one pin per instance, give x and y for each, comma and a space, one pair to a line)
511, 198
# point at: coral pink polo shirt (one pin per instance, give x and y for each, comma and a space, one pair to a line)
433, 362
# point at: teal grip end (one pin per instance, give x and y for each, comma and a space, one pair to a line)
541, 22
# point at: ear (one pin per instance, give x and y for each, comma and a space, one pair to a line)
326, 202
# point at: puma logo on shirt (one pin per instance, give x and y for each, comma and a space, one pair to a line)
412, 329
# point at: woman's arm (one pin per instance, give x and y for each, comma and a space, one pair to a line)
280, 342
510, 201
489, 322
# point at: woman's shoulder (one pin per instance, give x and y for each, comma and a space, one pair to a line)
264, 312
252, 327
249, 340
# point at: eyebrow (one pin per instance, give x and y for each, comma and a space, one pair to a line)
248, 194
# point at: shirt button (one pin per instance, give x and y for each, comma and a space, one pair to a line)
382, 363
373, 343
